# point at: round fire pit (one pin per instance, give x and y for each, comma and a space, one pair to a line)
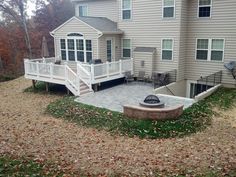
152, 101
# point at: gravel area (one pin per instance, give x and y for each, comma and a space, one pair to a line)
26, 131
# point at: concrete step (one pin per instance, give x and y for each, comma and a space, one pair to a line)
84, 87
83, 92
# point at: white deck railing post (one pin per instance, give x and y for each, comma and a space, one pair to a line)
107, 68
26, 65
51, 70
37, 68
120, 64
132, 65
92, 73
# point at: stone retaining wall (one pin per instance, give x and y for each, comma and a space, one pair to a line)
138, 112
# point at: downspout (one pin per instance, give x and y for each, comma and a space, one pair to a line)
99, 35
54, 40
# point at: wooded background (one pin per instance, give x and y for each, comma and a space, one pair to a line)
21, 36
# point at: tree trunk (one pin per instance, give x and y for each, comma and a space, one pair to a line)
25, 28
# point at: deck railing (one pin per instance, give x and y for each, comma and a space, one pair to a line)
46, 70
106, 70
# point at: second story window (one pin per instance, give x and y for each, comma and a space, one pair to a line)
83, 10
167, 49
168, 9
126, 9
204, 8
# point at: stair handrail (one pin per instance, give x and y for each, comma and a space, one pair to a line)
76, 87
88, 82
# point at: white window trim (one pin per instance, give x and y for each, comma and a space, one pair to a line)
204, 6
210, 50
83, 5
126, 48
75, 50
164, 49
63, 49
167, 6
131, 11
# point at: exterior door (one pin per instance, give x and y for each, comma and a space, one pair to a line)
110, 49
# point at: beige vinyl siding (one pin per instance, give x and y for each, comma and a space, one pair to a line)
147, 57
183, 39
76, 26
147, 29
103, 45
220, 25
101, 8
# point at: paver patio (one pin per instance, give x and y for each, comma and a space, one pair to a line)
116, 97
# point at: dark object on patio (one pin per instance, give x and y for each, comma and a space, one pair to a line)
96, 61
128, 77
160, 79
231, 66
141, 76
57, 62
152, 101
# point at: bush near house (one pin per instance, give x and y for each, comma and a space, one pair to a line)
194, 119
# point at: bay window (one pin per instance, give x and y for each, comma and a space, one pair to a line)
76, 49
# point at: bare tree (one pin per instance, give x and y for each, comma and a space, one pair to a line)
17, 10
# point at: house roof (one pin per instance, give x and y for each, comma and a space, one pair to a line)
102, 24
145, 49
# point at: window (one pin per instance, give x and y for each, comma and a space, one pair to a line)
196, 89
126, 48
217, 49
202, 49
76, 49
89, 54
204, 8
210, 49
80, 49
63, 49
83, 11
126, 9
168, 9
167, 49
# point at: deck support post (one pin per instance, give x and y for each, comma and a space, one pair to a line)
34, 84
47, 87
68, 91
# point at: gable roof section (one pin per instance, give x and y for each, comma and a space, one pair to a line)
100, 24
145, 49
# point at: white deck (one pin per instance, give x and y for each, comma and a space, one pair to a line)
84, 74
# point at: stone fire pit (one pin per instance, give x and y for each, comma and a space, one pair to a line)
152, 101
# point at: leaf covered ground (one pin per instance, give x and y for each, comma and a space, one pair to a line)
26, 131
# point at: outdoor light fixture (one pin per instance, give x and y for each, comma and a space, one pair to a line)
231, 66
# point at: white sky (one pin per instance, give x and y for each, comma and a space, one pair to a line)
30, 8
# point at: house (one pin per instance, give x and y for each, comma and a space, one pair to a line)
194, 37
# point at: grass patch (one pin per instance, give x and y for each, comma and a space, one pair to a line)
24, 167
40, 87
194, 119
